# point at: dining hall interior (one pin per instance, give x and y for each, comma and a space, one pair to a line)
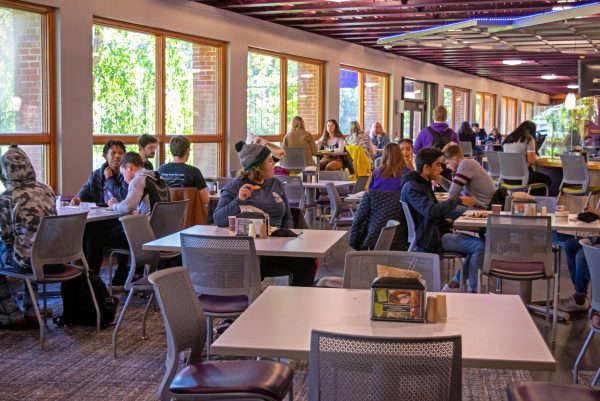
302, 200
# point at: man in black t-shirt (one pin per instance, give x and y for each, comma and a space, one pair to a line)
178, 174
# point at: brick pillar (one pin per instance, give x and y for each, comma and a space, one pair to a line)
308, 96
374, 101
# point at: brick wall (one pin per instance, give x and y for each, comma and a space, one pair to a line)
308, 96
374, 101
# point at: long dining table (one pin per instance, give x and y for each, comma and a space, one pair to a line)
94, 213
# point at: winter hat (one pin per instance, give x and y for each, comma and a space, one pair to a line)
251, 155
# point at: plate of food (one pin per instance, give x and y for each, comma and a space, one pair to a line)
477, 214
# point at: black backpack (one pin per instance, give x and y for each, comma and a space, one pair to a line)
440, 139
78, 307
156, 189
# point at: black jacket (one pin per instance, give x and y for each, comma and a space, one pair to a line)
92, 191
376, 208
432, 219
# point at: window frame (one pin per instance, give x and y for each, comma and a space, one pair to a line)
283, 60
361, 96
483, 121
525, 105
47, 136
160, 36
467, 102
505, 101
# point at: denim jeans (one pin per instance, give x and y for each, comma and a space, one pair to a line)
578, 267
473, 247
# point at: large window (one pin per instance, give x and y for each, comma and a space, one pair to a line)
485, 110
279, 88
363, 98
148, 81
26, 84
526, 111
456, 101
508, 115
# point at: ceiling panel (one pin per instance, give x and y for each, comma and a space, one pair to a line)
363, 22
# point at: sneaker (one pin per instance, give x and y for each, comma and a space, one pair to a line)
569, 305
452, 286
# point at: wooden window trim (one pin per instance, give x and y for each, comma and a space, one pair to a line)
47, 136
467, 94
483, 121
160, 36
283, 62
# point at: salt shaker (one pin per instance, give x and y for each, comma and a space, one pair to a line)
442, 310
431, 312
544, 211
251, 230
264, 231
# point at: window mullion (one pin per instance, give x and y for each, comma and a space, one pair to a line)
283, 100
160, 96
361, 97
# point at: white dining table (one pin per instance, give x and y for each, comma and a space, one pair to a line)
322, 184
94, 213
496, 330
309, 244
558, 224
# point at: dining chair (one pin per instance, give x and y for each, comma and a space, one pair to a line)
167, 217
225, 273
360, 268
520, 248
138, 231
545, 391
467, 148
493, 164
186, 329
576, 178
294, 191
58, 242
386, 236
337, 207
513, 167
333, 175
592, 256
295, 159
360, 184
357, 368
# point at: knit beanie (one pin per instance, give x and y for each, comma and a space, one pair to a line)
251, 155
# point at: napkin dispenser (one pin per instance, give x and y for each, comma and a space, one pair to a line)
243, 219
398, 299
524, 207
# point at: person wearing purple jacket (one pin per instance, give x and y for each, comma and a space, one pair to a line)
438, 134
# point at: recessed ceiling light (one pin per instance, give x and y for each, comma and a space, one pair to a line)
549, 76
512, 62
573, 86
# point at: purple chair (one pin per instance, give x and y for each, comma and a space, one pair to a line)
186, 330
225, 273
543, 391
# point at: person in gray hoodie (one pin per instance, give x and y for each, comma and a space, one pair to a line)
22, 205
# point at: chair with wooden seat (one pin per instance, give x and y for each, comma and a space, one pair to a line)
357, 368
58, 242
576, 178
513, 167
185, 325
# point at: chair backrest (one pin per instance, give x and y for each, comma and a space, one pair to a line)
360, 268
356, 368
138, 231
410, 226
335, 200
360, 184
168, 217
519, 246
233, 173
493, 164
548, 201
333, 176
575, 171
222, 265
386, 236
59, 239
293, 188
592, 256
513, 167
467, 148
195, 212
184, 320
295, 159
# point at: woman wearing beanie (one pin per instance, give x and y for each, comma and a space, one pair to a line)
256, 186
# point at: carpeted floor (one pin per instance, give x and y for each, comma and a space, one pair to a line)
77, 364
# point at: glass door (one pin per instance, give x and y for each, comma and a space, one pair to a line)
413, 118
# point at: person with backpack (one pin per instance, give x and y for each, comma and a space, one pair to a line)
145, 189
22, 205
438, 134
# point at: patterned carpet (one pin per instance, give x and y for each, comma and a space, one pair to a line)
77, 364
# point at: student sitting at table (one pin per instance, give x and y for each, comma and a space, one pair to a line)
406, 146
299, 137
378, 136
467, 176
256, 186
179, 174
22, 205
332, 139
357, 137
145, 189
432, 218
388, 176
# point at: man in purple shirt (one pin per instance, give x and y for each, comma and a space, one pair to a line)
438, 134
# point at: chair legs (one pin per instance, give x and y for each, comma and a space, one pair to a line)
586, 344
209, 335
120, 321
94, 300
146, 309
34, 301
291, 391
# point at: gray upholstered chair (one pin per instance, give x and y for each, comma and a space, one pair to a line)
167, 217
295, 159
576, 178
386, 236
225, 273
58, 242
186, 330
514, 167
358, 368
493, 164
337, 207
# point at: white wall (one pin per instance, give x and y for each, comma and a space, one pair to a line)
74, 25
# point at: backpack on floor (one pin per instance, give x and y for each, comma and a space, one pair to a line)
78, 306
